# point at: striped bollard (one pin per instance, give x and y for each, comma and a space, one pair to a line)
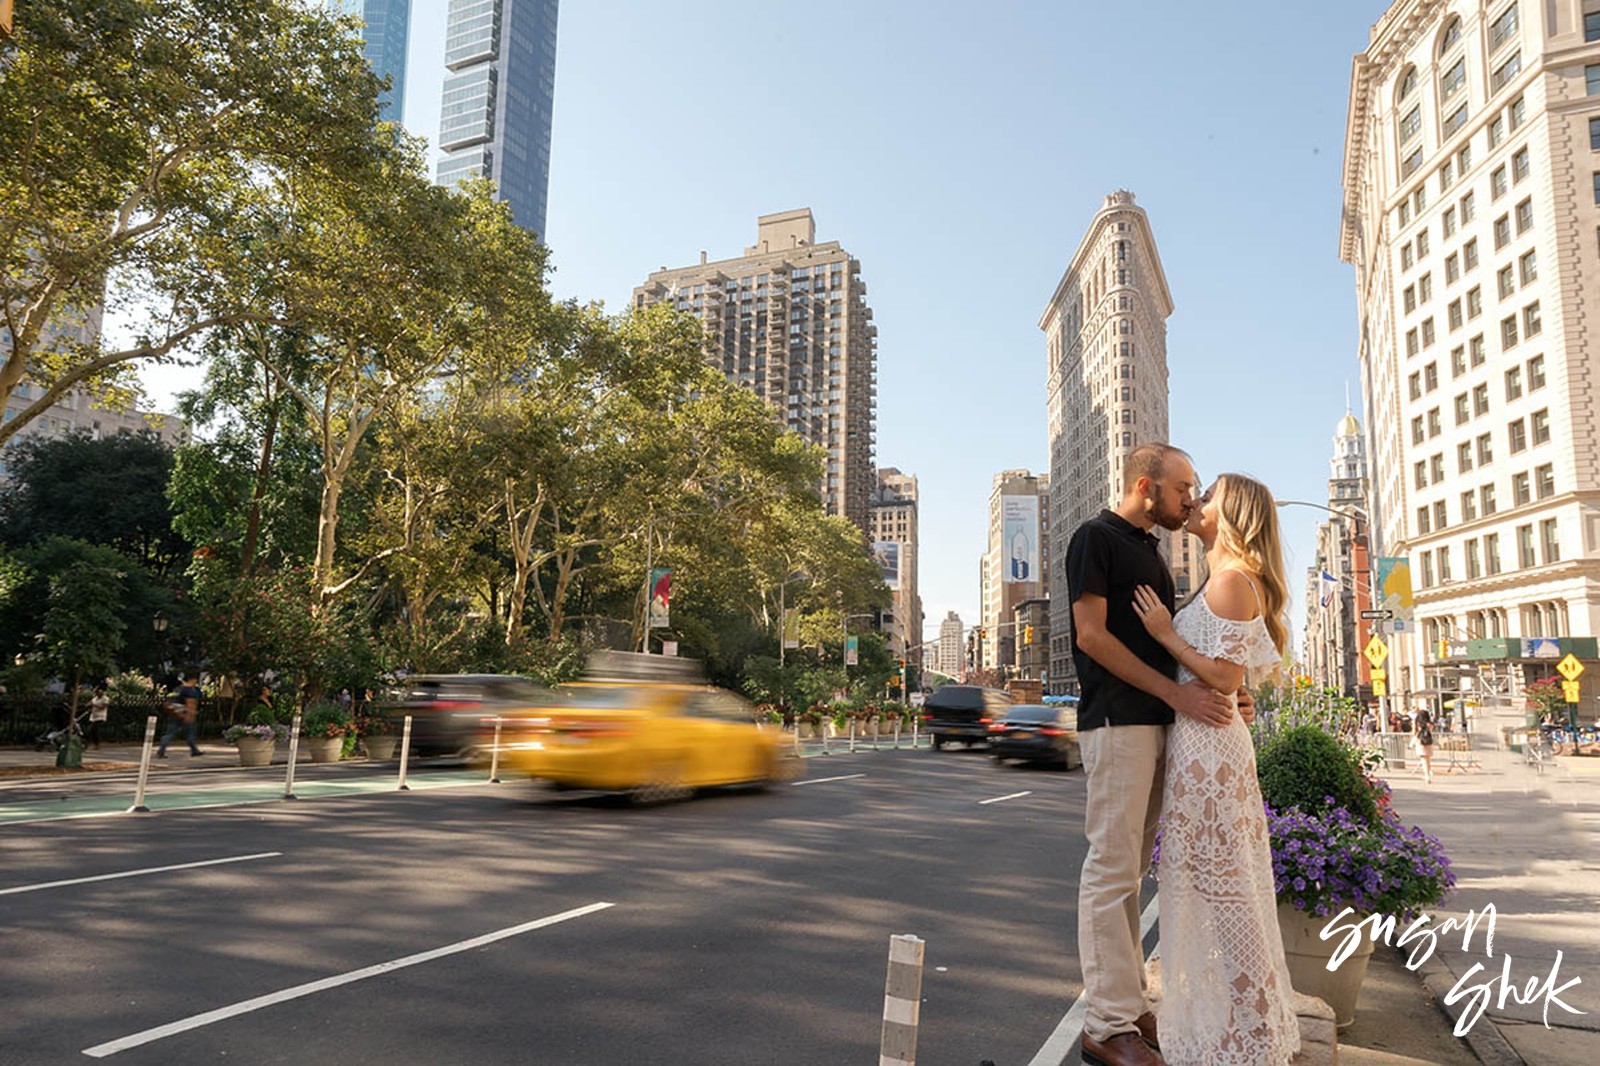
144, 767
405, 755
294, 753
902, 1002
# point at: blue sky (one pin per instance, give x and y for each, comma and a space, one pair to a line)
959, 151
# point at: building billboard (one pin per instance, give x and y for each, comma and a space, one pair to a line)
1394, 585
1019, 538
887, 552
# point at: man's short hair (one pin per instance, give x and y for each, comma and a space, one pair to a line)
1148, 460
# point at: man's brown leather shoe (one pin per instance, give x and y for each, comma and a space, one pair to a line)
1147, 1029
1124, 1049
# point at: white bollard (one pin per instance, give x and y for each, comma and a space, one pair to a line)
897, 733
294, 753
494, 757
797, 737
902, 1002
144, 767
852, 736
405, 755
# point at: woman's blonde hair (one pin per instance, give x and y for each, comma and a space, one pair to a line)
1247, 529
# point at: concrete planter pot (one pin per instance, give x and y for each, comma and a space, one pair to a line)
380, 747
1308, 956
325, 749
255, 751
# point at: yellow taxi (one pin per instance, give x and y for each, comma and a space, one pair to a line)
655, 740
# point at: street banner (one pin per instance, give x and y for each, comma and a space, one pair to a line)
791, 627
660, 595
887, 552
1394, 580
1019, 538
851, 650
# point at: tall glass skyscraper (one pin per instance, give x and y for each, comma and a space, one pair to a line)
498, 100
387, 33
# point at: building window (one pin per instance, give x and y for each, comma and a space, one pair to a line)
1457, 119
1525, 216
1505, 72
1474, 568
1544, 480
1540, 421
1594, 135
1447, 177
1485, 456
1409, 165
1444, 563
1436, 469
1419, 200
1424, 283
1513, 383
1452, 267
1503, 28
1408, 82
1452, 314
1532, 324
1434, 425
1525, 557
1449, 217
1591, 26
1464, 457
1415, 384
1498, 184
1506, 281
1517, 113
1469, 506
1591, 79
1474, 302
1519, 165
1477, 349
1417, 434
1486, 502
1451, 36
1462, 412
1405, 213
1411, 342
1458, 361
1422, 521
1491, 553
1530, 267
1469, 252
1480, 400
1427, 332
1427, 570
1409, 298
1411, 124
1517, 441
1508, 333
1502, 232
1536, 373
1551, 541
1420, 472
1407, 260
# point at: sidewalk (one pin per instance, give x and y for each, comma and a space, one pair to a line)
1527, 844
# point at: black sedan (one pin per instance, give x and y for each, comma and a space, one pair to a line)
1031, 732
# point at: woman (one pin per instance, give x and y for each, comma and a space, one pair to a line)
1226, 996
1422, 737
98, 706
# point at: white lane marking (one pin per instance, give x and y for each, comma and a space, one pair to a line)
825, 780
1002, 799
1056, 1048
161, 1032
139, 873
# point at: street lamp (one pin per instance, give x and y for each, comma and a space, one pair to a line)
159, 624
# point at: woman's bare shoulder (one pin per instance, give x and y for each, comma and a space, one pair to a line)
1231, 593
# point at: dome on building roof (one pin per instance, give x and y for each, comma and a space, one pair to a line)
1348, 426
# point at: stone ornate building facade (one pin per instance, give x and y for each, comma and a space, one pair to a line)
894, 522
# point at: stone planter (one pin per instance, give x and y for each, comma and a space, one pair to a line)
255, 751
1308, 956
325, 749
380, 747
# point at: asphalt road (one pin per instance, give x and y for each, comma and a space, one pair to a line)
540, 927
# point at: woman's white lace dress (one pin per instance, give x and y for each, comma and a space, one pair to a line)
1226, 999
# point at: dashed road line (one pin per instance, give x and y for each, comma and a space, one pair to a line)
825, 780
139, 873
161, 1032
1002, 799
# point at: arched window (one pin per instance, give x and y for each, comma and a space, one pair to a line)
1451, 35
1408, 84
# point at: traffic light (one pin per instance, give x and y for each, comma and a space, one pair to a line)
983, 634
1027, 634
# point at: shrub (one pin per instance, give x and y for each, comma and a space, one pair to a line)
1304, 767
324, 721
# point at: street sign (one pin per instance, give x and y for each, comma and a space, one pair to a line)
1376, 651
1380, 682
1382, 616
1569, 691
1379, 675
1569, 668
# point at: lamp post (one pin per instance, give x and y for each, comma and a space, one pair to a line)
159, 624
783, 611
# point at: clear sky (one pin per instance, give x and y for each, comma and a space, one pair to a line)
959, 151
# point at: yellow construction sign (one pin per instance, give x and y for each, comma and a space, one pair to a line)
1380, 682
1569, 691
1376, 651
1569, 668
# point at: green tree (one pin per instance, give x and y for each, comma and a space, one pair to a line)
81, 633
136, 133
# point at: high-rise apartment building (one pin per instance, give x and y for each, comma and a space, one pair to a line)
1106, 334
498, 100
952, 648
385, 35
789, 320
1472, 218
1016, 566
894, 542
1339, 583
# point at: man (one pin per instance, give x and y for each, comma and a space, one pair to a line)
1128, 695
185, 713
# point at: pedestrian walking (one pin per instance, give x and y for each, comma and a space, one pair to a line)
1128, 695
99, 704
1226, 996
1422, 740
184, 712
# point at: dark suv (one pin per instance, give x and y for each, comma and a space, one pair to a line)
963, 712
452, 714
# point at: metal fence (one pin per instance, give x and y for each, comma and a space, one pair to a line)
25, 718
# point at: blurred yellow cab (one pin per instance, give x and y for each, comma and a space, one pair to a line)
655, 740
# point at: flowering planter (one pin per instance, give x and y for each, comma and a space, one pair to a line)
325, 749
380, 747
255, 751
1308, 956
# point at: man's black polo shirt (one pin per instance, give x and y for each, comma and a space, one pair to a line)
1110, 556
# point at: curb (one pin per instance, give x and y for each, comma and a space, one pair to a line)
1484, 1039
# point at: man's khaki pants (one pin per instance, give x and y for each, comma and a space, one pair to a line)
1125, 766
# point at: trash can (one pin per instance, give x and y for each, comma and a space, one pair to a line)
70, 757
